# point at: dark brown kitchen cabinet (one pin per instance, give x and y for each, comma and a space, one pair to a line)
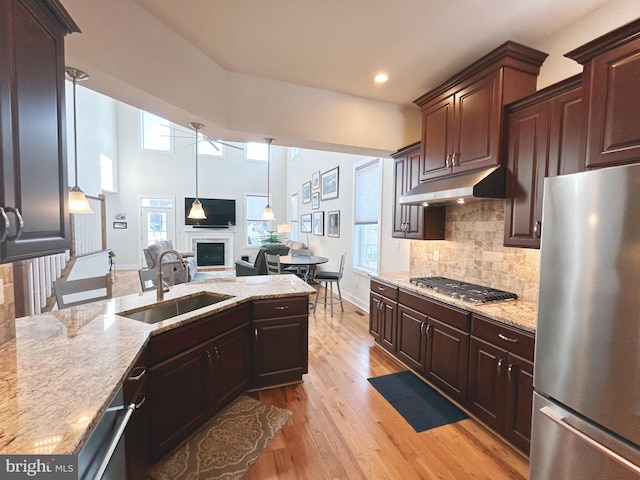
136, 435
413, 221
280, 341
462, 118
180, 390
383, 309
32, 129
543, 139
611, 96
433, 339
231, 358
501, 379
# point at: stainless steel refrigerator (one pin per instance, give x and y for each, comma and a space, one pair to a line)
586, 409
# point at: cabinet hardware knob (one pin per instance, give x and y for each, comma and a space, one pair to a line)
283, 307
18, 234
255, 333
446, 161
499, 366
4, 222
537, 229
429, 330
133, 377
208, 356
453, 159
507, 339
141, 402
382, 289
217, 354
510, 373
422, 329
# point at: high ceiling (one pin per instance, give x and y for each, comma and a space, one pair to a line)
339, 45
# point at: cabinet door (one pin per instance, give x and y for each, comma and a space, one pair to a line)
389, 326
412, 342
32, 135
447, 358
487, 383
613, 136
280, 348
375, 324
478, 110
232, 365
136, 389
519, 402
565, 138
437, 139
180, 390
400, 187
528, 135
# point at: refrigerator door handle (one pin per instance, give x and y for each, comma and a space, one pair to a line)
548, 412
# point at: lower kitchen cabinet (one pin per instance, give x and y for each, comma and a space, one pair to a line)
231, 354
433, 339
280, 341
383, 314
136, 435
501, 379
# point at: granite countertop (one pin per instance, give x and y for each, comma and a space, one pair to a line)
63, 368
518, 313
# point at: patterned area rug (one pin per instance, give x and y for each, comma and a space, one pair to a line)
226, 446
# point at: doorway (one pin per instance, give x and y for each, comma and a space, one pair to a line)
157, 221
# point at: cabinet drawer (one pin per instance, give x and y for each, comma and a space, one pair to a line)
515, 341
168, 344
384, 289
281, 307
452, 316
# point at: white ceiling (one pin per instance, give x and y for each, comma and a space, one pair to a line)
339, 45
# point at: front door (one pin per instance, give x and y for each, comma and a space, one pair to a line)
157, 221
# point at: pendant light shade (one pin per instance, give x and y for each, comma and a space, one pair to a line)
267, 214
196, 212
78, 202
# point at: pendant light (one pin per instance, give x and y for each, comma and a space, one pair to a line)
268, 215
196, 212
78, 202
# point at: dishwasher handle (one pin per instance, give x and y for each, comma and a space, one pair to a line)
116, 437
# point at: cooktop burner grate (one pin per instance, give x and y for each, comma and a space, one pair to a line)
468, 292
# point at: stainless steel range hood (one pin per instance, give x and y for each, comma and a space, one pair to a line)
487, 183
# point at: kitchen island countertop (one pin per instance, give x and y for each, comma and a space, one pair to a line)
63, 368
517, 313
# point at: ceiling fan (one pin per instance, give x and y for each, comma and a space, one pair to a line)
203, 138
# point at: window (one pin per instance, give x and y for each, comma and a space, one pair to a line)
256, 228
154, 133
107, 176
257, 151
293, 204
209, 147
366, 233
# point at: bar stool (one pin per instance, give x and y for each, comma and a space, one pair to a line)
329, 278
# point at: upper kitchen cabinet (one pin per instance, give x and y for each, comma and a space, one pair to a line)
34, 217
461, 119
413, 221
611, 96
543, 139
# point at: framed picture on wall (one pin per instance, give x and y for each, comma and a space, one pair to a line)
306, 192
333, 223
315, 200
318, 223
315, 181
305, 223
329, 184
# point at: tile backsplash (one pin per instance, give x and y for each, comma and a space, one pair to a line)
473, 251
7, 304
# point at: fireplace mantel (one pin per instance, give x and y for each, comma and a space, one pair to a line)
213, 236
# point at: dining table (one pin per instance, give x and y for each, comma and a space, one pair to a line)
300, 261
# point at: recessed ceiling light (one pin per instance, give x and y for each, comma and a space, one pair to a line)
381, 78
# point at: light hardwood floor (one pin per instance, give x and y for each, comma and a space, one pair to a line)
342, 428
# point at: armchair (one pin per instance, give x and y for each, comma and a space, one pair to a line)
259, 267
170, 263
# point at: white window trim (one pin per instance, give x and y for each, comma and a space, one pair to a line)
246, 220
256, 160
223, 150
177, 210
356, 166
170, 128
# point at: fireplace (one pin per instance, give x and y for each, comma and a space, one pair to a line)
210, 254
217, 247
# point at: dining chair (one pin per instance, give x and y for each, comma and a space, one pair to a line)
329, 278
70, 293
273, 264
301, 271
148, 278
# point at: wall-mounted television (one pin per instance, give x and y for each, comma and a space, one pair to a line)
221, 213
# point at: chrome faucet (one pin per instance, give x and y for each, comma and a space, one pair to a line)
160, 285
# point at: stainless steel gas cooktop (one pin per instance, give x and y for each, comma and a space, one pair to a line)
467, 292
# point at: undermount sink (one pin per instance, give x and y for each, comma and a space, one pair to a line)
157, 313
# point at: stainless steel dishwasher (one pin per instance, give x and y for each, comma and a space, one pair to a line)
103, 455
